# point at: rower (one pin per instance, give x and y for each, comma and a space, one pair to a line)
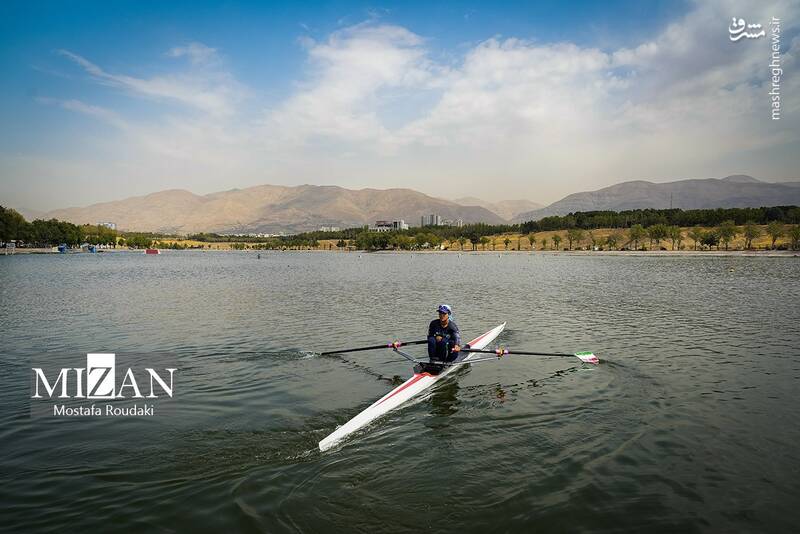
444, 339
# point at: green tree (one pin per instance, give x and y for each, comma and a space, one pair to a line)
751, 231
12, 225
574, 235
98, 234
402, 241
675, 236
462, 241
794, 235
727, 231
596, 242
656, 233
483, 241
613, 239
711, 239
434, 240
139, 240
557, 241
696, 234
474, 237
506, 242
636, 233
775, 230
544, 243
532, 240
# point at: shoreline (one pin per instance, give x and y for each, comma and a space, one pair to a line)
658, 253
744, 253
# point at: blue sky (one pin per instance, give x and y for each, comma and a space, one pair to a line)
103, 100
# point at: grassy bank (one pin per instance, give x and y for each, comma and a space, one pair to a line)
599, 239
559, 240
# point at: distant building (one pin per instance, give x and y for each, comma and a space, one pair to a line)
436, 220
432, 220
109, 225
282, 234
388, 226
329, 228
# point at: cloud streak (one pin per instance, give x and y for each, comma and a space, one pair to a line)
211, 92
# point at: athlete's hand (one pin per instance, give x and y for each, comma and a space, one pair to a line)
438, 338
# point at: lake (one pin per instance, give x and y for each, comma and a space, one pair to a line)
690, 423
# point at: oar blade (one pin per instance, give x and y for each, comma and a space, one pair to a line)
588, 357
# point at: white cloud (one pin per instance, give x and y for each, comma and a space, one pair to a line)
198, 53
511, 116
98, 112
210, 91
350, 73
672, 104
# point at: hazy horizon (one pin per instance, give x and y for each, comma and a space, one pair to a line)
502, 101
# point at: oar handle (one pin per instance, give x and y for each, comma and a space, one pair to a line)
392, 345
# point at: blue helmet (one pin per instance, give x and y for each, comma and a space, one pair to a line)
444, 308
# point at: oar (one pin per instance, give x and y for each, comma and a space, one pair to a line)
392, 345
586, 357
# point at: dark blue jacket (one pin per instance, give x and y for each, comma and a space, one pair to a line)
449, 333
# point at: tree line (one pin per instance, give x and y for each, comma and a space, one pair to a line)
634, 230
637, 237
669, 217
42, 233
47, 233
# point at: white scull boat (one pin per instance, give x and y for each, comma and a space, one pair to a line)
421, 381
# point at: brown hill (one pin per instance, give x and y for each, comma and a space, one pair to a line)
269, 208
737, 191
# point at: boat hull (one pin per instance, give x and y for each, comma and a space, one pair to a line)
421, 381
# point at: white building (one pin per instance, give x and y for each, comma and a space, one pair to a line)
329, 229
431, 220
109, 225
436, 220
388, 226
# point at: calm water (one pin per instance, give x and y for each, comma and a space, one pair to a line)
691, 422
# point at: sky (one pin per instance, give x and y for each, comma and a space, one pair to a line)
500, 100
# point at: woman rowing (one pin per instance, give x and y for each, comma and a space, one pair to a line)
444, 339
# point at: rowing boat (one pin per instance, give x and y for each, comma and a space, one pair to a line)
421, 381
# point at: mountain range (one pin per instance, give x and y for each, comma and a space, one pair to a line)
736, 191
270, 209
507, 209
275, 209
